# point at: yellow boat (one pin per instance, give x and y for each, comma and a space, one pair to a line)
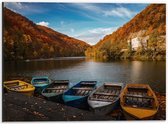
138, 102
19, 86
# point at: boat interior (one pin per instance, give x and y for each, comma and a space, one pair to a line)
57, 87
138, 97
16, 85
40, 81
107, 93
61, 81
84, 89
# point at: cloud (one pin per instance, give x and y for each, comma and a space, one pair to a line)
88, 6
15, 5
43, 23
25, 8
121, 12
116, 11
94, 35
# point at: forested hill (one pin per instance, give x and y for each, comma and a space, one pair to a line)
23, 39
150, 22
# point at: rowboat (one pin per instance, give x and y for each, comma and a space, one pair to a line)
19, 86
106, 98
40, 83
55, 90
77, 95
138, 101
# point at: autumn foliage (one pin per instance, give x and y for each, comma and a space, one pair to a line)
152, 19
23, 39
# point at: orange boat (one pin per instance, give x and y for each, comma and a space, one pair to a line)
139, 102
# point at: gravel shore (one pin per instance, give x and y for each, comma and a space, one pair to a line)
18, 107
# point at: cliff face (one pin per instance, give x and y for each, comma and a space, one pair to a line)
23, 39
151, 21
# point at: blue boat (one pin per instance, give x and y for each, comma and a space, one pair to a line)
77, 95
40, 83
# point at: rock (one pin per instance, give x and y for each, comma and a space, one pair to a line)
49, 109
35, 112
62, 109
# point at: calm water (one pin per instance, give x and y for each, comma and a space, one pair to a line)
79, 68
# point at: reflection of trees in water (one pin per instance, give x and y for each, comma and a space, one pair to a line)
152, 73
97, 59
22, 67
136, 70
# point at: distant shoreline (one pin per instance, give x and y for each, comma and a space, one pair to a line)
80, 57
45, 59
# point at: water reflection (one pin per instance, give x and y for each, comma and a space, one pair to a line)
39, 67
152, 73
136, 70
77, 69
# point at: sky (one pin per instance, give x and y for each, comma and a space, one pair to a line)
89, 22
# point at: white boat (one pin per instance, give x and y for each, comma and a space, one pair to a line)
106, 98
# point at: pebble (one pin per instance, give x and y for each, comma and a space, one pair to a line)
49, 109
62, 109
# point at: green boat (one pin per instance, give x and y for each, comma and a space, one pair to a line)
55, 90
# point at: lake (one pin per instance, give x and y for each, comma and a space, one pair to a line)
76, 69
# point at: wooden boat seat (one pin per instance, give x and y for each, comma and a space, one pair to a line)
12, 83
137, 88
137, 93
112, 85
55, 88
19, 86
99, 99
105, 94
80, 88
61, 81
40, 82
88, 83
138, 96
